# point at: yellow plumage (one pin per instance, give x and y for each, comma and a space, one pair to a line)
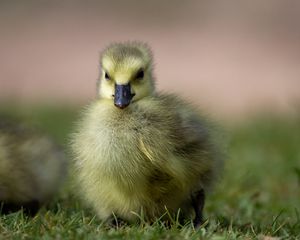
136, 150
32, 166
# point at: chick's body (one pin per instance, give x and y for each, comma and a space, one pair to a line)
32, 167
150, 156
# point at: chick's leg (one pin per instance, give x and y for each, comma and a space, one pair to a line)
116, 222
198, 199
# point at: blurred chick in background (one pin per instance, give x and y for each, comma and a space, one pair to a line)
138, 152
32, 167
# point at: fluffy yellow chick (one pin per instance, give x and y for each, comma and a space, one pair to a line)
32, 167
140, 152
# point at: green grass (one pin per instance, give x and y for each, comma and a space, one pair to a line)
258, 196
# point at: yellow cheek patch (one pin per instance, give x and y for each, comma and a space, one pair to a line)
106, 89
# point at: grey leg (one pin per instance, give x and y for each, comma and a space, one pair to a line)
198, 200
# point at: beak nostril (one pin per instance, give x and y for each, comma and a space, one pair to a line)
113, 95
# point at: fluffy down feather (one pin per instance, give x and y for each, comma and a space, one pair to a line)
32, 167
155, 154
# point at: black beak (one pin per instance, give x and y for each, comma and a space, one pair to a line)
123, 95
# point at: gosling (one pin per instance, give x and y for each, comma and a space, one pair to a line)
139, 152
32, 167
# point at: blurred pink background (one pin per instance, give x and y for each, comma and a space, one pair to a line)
230, 57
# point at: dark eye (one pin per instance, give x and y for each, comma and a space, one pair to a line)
140, 74
107, 77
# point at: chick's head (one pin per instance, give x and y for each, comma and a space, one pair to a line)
126, 73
